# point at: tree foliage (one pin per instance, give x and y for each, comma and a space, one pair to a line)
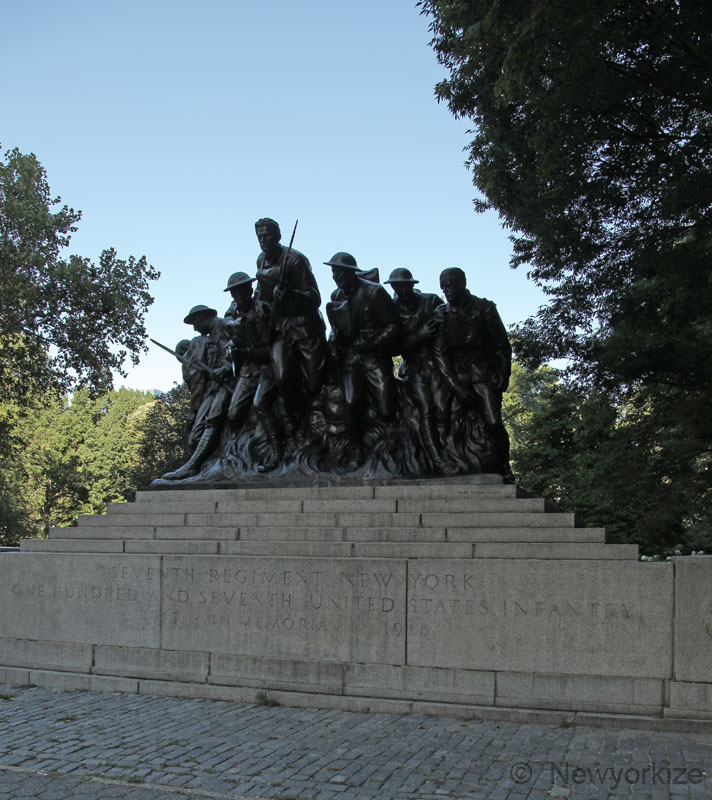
67, 457
585, 453
64, 320
593, 141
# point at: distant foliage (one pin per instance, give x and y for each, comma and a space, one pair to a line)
603, 461
70, 457
162, 436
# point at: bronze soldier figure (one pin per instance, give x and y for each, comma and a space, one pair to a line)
286, 281
365, 329
232, 283
250, 332
210, 381
417, 370
474, 356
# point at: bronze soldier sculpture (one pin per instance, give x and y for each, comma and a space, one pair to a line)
209, 377
250, 332
286, 281
233, 282
443, 416
365, 328
474, 356
417, 370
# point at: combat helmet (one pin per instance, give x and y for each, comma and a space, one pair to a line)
236, 279
401, 275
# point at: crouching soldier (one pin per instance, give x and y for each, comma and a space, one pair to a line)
208, 372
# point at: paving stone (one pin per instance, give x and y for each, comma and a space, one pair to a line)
157, 748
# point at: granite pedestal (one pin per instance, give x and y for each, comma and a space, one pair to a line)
458, 596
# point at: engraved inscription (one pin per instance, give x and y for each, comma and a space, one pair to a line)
549, 616
109, 583
273, 606
471, 600
98, 599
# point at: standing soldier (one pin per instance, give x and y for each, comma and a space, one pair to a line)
417, 370
250, 332
232, 283
286, 281
364, 321
474, 356
209, 375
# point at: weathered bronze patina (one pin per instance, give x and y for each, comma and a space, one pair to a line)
272, 398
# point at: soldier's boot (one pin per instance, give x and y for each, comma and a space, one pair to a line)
202, 451
427, 434
271, 429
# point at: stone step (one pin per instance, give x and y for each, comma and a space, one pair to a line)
130, 520
257, 507
426, 489
531, 534
182, 533
471, 505
464, 519
497, 519
137, 532
339, 549
559, 550
88, 530
339, 506
510, 534
457, 550
72, 545
437, 491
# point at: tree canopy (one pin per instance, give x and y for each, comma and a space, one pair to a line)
65, 321
70, 456
593, 141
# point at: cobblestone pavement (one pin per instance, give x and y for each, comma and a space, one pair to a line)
89, 746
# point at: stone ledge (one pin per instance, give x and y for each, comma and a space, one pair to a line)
140, 662
557, 550
76, 681
72, 681
57, 656
76, 545
14, 676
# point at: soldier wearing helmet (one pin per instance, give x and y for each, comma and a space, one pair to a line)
417, 370
364, 322
235, 280
249, 329
298, 347
474, 357
209, 375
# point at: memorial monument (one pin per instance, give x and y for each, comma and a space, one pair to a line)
305, 408
344, 538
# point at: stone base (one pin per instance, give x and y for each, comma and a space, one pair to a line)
453, 597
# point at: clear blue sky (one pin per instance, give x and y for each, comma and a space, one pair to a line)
175, 125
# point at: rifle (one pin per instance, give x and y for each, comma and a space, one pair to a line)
283, 270
185, 361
